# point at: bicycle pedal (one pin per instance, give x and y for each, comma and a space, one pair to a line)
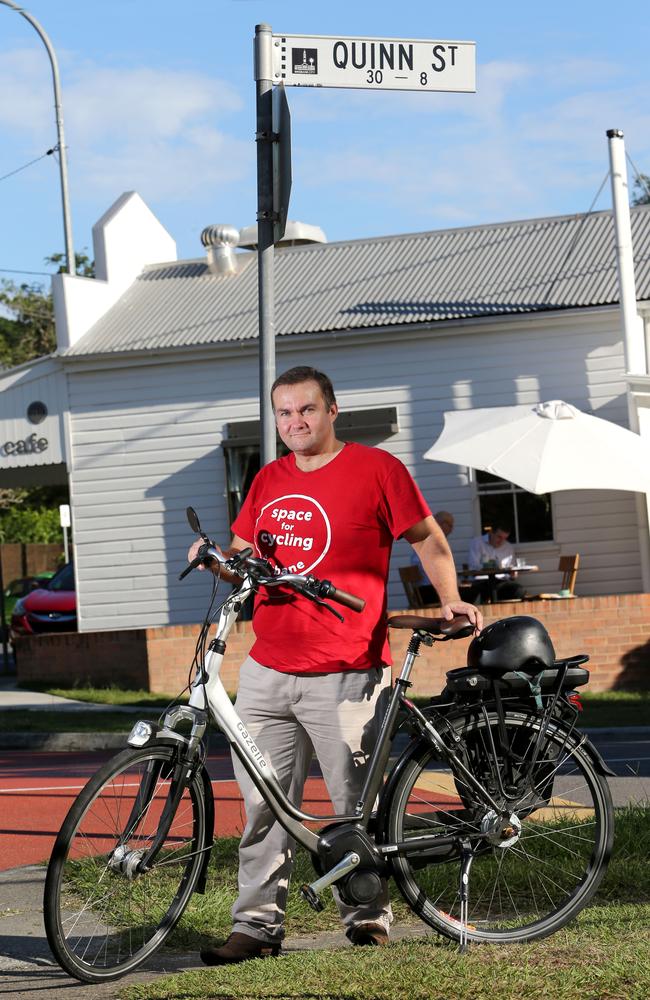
310, 897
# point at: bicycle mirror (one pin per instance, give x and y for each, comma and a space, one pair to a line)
193, 520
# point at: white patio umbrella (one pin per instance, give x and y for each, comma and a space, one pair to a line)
547, 447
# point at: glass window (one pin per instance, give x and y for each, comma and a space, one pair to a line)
63, 580
530, 516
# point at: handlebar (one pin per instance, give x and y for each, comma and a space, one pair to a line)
328, 589
243, 564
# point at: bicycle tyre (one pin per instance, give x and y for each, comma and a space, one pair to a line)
523, 891
101, 923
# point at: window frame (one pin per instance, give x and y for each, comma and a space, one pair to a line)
492, 489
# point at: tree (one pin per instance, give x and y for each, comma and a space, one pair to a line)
28, 332
11, 498
30, 524
641, 190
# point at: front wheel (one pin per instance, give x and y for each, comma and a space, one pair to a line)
528, 877
103, 918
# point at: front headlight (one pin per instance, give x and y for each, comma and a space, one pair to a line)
140, 734
19, 607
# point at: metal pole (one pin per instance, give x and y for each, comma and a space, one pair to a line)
3, 620
631, 322
265, 260
58, 112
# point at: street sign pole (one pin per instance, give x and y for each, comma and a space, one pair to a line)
66, 521
265, 226
324, 61
3, 621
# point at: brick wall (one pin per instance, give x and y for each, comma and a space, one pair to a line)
98, 658
614, 631
25, 559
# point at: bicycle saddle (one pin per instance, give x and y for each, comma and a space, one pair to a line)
457, 628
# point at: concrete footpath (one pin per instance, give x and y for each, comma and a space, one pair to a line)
15, 703
27, 965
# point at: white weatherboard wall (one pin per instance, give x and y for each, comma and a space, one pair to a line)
145, 444
40, 381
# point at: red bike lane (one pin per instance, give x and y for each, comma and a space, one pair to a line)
37, 788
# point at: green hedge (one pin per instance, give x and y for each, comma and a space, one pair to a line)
25, 524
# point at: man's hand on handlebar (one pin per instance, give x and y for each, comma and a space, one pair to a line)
237, 546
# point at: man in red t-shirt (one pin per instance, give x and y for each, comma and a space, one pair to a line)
311, 682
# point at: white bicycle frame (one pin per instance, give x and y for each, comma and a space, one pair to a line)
208, 694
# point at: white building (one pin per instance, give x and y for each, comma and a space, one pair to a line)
151, 397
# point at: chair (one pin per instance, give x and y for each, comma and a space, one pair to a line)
568, 567
411, 578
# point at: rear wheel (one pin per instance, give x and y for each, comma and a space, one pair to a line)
102, 918
535, 864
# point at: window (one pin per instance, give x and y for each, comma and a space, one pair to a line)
242, 451
63, 580
530, 516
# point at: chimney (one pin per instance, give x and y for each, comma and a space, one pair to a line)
220, 242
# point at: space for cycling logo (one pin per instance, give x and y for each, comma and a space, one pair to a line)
294, 532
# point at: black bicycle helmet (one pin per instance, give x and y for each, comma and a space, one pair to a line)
517, 643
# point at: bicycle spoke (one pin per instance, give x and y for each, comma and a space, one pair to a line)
106, 914
536, 883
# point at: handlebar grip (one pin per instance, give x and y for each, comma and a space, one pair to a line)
190, 566
347, 600
237, 558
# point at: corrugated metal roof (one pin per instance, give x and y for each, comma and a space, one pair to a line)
563, 262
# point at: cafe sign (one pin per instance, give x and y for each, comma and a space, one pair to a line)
31, 445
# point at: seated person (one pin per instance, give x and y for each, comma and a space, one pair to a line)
493, 549
426, 591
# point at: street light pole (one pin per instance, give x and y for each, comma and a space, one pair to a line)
63, 165
265, 245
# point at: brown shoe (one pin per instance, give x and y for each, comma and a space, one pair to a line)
368, 933
239, 948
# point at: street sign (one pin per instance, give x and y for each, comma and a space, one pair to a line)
374, 63
281, 161
66, 522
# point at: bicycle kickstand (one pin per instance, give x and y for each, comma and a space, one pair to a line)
466, 858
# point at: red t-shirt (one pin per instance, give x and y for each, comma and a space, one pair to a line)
337, 523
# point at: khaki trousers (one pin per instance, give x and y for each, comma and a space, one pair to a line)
290, 716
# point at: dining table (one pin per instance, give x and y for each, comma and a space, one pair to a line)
493, 575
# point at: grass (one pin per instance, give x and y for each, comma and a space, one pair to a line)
600, 956
603, 956
615, 708
208, 916
51, 721
110, 695
608, 708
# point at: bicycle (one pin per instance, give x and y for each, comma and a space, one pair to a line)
496, 821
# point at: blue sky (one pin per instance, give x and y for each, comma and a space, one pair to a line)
158, 97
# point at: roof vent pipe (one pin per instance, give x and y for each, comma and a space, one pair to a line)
220, 242
631, 322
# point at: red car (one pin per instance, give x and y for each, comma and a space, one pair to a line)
51, 608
